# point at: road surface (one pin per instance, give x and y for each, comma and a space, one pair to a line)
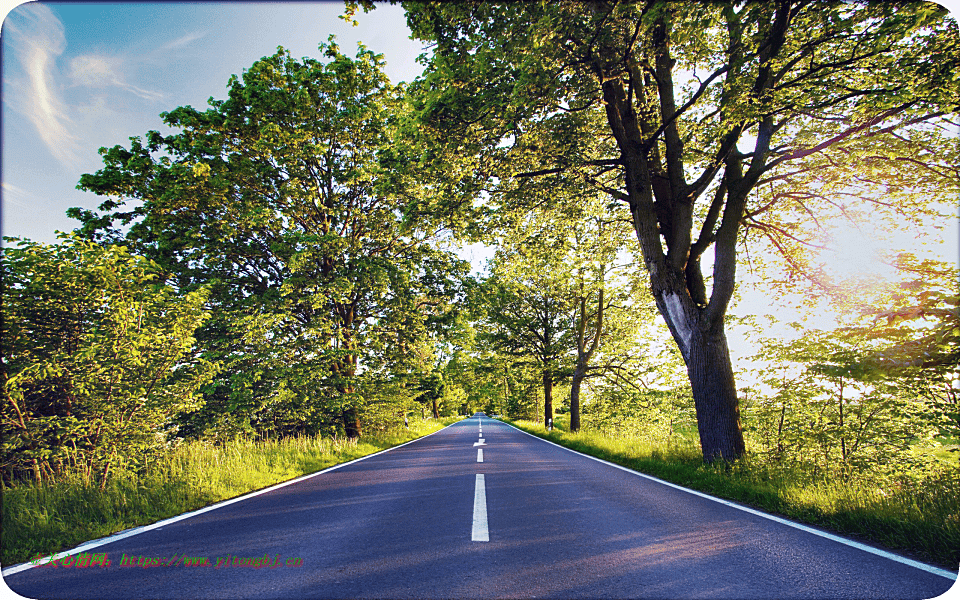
477, 510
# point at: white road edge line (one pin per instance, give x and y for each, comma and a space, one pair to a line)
145, 528
479, 454
480, 532
900, 559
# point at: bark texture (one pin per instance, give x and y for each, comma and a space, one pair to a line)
715, 397
351, 423
547, 396
578, 375
585, 351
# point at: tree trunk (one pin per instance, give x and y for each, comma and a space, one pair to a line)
351, 423
436, 409
547, 397
584, 355
578, 375
347, 370
783, 414
715, 396
105, 474
843, 441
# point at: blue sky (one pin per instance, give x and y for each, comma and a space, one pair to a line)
80, 76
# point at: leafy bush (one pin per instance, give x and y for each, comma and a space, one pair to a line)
96, 358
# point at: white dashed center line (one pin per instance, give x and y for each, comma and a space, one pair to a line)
479, 454
480, 531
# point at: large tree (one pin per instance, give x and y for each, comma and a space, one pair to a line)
606, 293
677, 110
529, 314
288, 199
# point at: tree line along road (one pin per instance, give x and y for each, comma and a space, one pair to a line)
481, 510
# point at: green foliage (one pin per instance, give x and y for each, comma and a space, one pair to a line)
917, 321
430, 390
529, 319
649, 414
454, 401
827, 408
559, 298
879, 395
97, 356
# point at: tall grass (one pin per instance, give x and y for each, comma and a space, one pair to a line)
47, 518
920, 517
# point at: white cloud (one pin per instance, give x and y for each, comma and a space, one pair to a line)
93, 71
101, 72
36, 39
183, 41
14, 195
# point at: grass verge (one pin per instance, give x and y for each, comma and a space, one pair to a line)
922, 521
43, 519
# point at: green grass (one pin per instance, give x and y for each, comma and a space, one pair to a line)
921, 520
949, 449
43, 519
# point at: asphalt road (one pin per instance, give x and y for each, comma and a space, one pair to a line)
418, 522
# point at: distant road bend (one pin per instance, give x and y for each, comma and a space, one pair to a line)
479, 510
